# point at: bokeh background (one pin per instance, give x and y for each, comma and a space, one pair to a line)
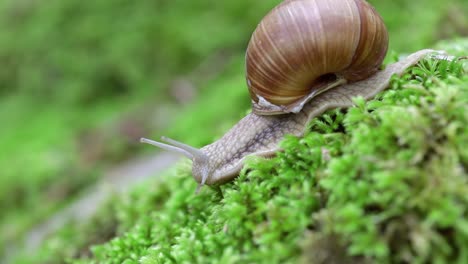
81, 81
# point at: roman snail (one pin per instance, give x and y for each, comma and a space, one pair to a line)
305, 57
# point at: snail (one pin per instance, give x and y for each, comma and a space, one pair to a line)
305, 57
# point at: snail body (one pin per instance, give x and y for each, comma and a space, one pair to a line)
280, 63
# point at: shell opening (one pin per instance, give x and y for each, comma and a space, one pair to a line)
323, 81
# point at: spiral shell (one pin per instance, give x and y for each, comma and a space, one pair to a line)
304, 47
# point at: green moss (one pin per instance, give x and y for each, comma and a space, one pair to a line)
383, 182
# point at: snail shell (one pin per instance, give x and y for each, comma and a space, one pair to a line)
304, 47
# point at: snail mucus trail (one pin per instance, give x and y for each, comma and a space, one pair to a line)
295, 26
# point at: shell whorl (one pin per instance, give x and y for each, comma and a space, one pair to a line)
302, 44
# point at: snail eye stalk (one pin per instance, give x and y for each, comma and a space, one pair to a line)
175, 146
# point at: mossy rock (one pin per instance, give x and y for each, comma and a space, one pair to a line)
382, 182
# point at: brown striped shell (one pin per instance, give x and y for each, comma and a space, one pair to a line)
304, 47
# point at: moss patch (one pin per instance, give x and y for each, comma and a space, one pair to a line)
382, 182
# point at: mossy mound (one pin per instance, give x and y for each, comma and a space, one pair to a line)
382, 182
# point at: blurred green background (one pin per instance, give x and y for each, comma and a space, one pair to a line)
81, 81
